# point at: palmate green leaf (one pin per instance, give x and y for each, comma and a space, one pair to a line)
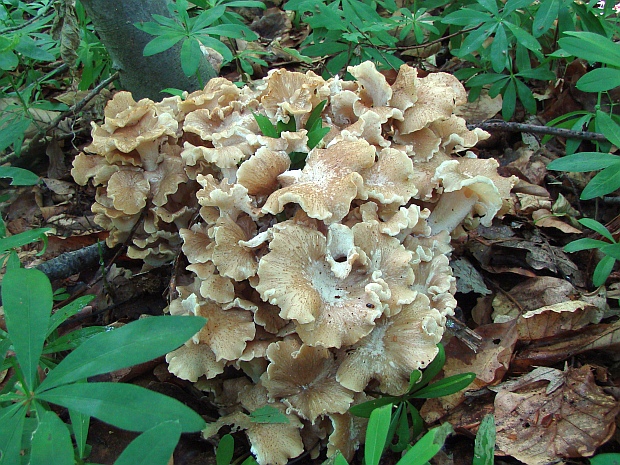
608, 127
12, 130
431, 370
19, 176
445, 386
27, 298
79, 425
190, 56
584, 244
266, 126
161, 43
466, 17
427, 447
598, 227
591, 47
613, 250
153, 447
365, 409
72, 340
225, 450
268, 415
125, 406
603, 270
510, 100
484, 447
51, 439
11, 430
376, 434
523, 37
599, 80
605, 459
316, 136
218, 47
545, 17
583, 162
499, 49
23, 238
137, 342
605, 182
67, 311
402, 430
526, 97
475, 39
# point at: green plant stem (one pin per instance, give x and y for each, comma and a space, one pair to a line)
537, 129
39, 15
432, 42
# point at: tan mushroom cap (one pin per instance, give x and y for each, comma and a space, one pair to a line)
259, 174
397, 346
219, 92
391, 178
228, 198
328, 183
404, 92
214, 286
129, 191
191, 361
233, 259
375, 91
195, 242
91, 166
303, 378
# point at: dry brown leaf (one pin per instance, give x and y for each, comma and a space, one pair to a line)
490, 364
545, 219
481, 109
554, 319
549, 415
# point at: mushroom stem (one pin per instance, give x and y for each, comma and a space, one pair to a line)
451, 210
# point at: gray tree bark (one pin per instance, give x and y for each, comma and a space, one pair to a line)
142, 76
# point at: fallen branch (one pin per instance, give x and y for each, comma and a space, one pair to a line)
70, 263
537, 129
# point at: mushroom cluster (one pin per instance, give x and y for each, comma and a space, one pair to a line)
321, 284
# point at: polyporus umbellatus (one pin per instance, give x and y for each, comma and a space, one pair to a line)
320, 284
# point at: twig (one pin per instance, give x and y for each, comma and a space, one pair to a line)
73, 262
537, 129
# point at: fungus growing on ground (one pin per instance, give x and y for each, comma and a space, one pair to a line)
323, 280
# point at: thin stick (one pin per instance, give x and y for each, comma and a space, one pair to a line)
537, 129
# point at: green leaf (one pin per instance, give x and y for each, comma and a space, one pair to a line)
402, 430
125, 406
613, 250
72, 340
598, 227
605, 182
23, 238
445, 386
339, 459
376, 434
266, 126
499, 49
427, 447
290, 126
11, 430
584, 244
414, 377
490, 6
545, 17
67, 311
510, 100
466, 17
325, 48
365, 409
591, 47
80, 424
608, 127
225, 450
432, 369
268, 414
315, 116
51, 439
605, 459
19, 176
137, 342
524, 38
190, 56
603, 270
27, 298
316, 136
153, 447
599, 80
161, 44
526, 97
484, 447
584, 161
13, 132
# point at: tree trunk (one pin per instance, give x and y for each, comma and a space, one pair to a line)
142, 76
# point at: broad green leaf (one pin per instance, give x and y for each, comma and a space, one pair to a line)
80, 424
125, 406
366, 408
340, 460
510, 100
30, 48
190, 56
250, 461
598, 227
545, 17
490, 6
499, 49
316, 136
599, 80
526, 97
584, 244
315, 116
608, 127
22, 238
484, 447
417, 423
153, 447
266, 126
433, 368
51, 439
613, 250
19, 176
325, 48
225, 450
27, 298
466, 17
268, 414
290, 126
584, 161
605, 182
67, 311
524, 38
513, 5
218, 47
5, 343
11, 431
13, 132
137, 342
72, 340
484, 79
427, 447
603, 270
161, 43
475, 39
376, 434
414, 377
445, 386
402, 430
605, 459
591, 47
